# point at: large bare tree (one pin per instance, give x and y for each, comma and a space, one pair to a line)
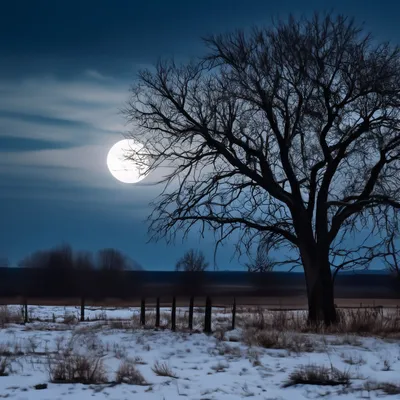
289, 132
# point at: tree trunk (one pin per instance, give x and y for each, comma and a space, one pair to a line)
321, 305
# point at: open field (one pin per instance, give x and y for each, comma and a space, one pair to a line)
271, 355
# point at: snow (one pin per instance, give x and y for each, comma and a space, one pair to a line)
206, 367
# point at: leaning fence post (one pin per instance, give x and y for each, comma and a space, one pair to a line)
207, 317
158, 312
173, 314
191, 308
82, 309
143, 312
234, 313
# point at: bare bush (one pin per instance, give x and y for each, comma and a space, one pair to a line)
220, 366
9, 316
70, 319
71, 367
138, 360
388, 388
266, 339
163, 369
355, 359
5, 365
128, 373
317, 375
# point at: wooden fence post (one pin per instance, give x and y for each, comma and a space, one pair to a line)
82, 309
234, 313
143, 312
26, 317
158, 313
207, 317
173, 314
191, 308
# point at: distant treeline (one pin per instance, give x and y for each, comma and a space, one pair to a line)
64, 258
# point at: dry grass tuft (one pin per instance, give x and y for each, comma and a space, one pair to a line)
5, 365
273, 339
163, 369
9, 316
355, 359
71, 367
317, 375
388, 388
128, 373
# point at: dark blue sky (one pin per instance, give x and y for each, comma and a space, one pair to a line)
65, 70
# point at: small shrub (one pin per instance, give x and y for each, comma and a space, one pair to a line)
119, 351
300, 344
128, 373
69, 319
9, 316
5, 365
317, 375
386, 365
388, 388
353, 359
266, 339
117, 324
138, 360
163, 369
70, 367
220, 366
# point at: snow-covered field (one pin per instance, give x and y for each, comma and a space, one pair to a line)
225, 365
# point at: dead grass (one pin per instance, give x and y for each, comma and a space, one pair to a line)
318, 375
163, 369
9, 316
388, 388
128, 373
359, 321
5, 365
221, 366
71, 367
353, 359
273, 339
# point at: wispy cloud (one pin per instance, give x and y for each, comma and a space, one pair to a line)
75, 122
92, 105
92, 73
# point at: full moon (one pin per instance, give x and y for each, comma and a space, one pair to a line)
123, 169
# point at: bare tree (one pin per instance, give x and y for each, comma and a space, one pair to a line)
262, 262
83, 261
112, 260
192, 261
57, 258
392, 255
290, 132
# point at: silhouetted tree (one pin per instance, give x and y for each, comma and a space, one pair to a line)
83, 261
57, 258
290, 132
193, 261
112, 260
38, 259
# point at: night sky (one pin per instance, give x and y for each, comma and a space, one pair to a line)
65, 71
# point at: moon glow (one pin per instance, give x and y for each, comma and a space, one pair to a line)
123, 169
